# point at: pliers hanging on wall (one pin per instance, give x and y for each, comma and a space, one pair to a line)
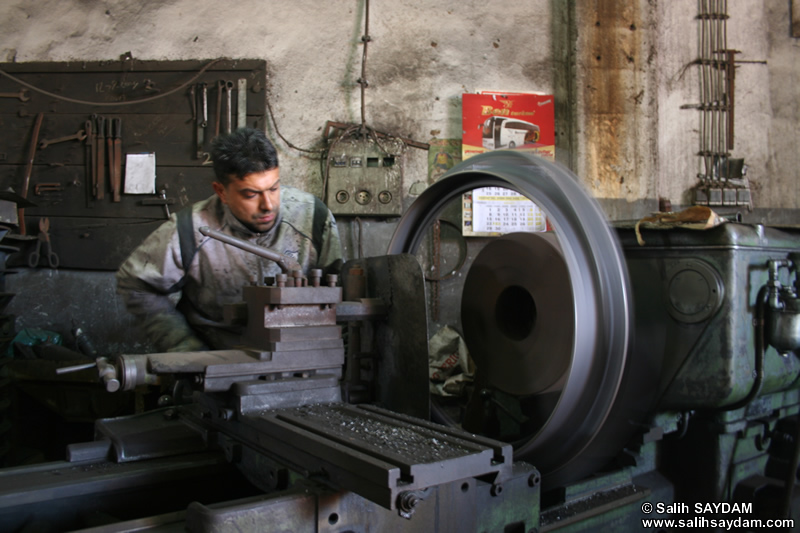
44, 237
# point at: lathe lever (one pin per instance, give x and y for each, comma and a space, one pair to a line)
106, 371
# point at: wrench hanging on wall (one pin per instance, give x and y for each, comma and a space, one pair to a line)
23, 95
79, 136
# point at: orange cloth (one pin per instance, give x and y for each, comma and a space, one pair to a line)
695, 217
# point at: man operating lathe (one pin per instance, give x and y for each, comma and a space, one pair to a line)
177, 260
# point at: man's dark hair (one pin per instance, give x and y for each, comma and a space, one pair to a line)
242, 152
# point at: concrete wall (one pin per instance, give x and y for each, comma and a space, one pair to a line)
616, 62
766, 117
636, 80
627, 63
621, 72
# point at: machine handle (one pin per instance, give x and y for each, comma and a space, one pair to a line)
286, 263
106, 371
76, 368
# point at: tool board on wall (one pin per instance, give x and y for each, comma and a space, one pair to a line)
70, 129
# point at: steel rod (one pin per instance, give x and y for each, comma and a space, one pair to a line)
283, 261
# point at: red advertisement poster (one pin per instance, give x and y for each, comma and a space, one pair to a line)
494, 120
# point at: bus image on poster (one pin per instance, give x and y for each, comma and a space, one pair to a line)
504, 132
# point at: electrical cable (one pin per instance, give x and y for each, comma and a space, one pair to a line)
758, 355
363, 79
278, 133
361, 130
112, 104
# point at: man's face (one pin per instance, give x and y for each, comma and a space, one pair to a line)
255, 199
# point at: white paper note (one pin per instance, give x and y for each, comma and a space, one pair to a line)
140, 173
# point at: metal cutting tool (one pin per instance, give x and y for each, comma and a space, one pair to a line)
43, 239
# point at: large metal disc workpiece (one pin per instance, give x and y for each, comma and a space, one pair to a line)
546, 317
516, 343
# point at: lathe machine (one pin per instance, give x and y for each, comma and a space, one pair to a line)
614, 383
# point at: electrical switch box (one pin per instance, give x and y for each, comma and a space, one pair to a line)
365, 177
